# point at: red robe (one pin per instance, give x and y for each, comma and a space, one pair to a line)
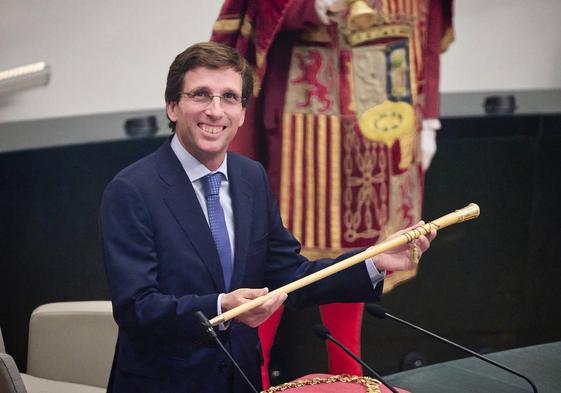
336, 124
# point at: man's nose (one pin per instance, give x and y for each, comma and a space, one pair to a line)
214, 107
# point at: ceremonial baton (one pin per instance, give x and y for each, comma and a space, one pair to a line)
469, 212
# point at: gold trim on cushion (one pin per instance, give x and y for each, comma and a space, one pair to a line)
372, 385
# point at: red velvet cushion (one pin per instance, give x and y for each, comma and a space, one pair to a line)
344, 386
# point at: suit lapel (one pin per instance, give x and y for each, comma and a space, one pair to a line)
184, 206
242, 205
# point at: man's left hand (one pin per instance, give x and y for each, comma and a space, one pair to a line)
400, 258
428, 141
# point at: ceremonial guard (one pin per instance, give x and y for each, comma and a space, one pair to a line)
344, 116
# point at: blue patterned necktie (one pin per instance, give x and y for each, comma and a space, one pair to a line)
217, 223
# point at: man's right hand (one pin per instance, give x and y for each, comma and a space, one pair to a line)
258, 315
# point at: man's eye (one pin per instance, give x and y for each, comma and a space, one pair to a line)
230, 96
200, 94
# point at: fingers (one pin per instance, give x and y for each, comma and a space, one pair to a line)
271, 305
423, 241
260, 314
257, 315
403, 257
251, 293
240, 296
432, 233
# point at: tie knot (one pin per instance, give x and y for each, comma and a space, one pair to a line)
211, 183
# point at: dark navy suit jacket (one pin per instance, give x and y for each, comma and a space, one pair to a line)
162, 267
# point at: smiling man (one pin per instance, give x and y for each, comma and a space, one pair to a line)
192, 227
207, 123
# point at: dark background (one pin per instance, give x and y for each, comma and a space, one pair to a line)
490, 284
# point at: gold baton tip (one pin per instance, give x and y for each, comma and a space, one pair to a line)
469, 212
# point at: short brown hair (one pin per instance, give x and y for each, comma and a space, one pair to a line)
210, 55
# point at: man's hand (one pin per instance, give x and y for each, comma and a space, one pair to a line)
428, 141
324, 8
399, 258
258, 315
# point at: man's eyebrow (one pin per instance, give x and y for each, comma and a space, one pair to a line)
199, 88
208, 89
228, 90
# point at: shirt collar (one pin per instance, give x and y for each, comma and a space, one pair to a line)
194, 169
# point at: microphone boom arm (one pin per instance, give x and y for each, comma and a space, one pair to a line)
457, 346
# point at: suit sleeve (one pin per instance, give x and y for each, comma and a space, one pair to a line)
131, 262
285, 264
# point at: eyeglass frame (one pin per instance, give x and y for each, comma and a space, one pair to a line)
210, 98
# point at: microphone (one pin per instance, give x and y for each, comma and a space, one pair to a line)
379, 312
205, 323
322, 332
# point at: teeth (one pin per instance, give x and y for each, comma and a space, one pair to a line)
211, 129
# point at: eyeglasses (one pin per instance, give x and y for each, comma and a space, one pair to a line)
204, 97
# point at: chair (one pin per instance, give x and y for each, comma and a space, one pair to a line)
10, 378
70, 350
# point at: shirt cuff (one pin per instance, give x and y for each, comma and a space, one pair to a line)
375, 275
225, 325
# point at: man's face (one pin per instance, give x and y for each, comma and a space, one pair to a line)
206, 130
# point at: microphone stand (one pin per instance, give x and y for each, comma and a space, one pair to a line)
378, 312
210, 331
322, 332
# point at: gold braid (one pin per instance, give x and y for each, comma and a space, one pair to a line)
371, 385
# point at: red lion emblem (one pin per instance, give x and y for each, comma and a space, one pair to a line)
310, 70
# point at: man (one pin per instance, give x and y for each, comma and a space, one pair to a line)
194, 228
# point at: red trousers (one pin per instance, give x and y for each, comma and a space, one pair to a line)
344, 321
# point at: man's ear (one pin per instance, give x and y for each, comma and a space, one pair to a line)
170, 109
242, 117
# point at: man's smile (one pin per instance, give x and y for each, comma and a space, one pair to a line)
211, 129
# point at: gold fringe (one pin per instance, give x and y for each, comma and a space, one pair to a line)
335, 186
447, 39
310, 182
285, 167
322, 181
227, 25
298, 181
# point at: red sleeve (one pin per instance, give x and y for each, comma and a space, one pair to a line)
431, 61
439, 35
300, 14
266, 20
